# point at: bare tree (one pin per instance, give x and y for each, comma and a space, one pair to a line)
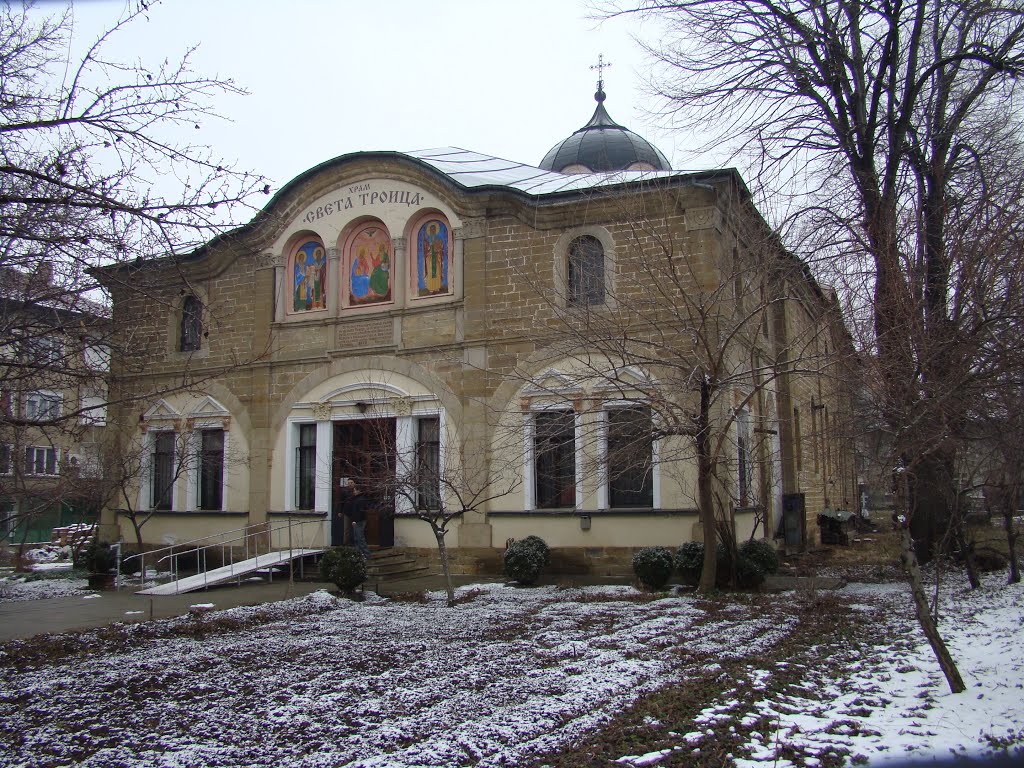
694, 339
870, 115
97, 170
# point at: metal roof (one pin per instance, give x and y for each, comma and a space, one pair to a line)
603, 145
473, 169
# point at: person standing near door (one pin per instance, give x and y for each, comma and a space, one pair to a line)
355, 509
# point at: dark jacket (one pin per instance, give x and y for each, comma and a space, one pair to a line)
355, 507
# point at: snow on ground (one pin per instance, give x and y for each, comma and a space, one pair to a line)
505, 676
18, 587
890, 701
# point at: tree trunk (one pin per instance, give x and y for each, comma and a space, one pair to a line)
442, 550
705, 493
1011, 545
966, 545
924, 618
929, 502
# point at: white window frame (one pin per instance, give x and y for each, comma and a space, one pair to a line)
93, 411
34, 401
45, 449
146, 486
192, 474
530, 453
604, 484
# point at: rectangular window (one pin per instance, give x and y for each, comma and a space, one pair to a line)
40, 461
42, 406
586, 271
428, 463
96, 357
47, 349
8, 515
798, 451
305, 468
211, 469
554, 452
743, 459
162, 468
5, 460
630, 457
94, 411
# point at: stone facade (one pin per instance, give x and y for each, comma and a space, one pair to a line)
454, 372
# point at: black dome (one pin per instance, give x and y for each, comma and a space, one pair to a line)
603, 145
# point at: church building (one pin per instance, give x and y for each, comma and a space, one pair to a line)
527, 347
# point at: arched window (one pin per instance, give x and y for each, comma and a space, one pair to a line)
585, 271
431, 251
368, 260
191, 339
309, 276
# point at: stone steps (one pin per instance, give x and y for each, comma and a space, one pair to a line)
394, 565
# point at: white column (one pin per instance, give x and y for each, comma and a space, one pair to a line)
578, 456
322, 497
333, 287
602, 459
225, 464
405, 447
290, 441
191, 462
280, 294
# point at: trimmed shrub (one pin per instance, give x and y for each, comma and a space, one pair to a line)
97, 557
762, 553
690, 561
541, 546
653, 566
524, 561
345, 567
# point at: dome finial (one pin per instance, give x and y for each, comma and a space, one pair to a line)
601, 66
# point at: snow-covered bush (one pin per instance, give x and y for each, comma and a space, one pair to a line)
542, 547
653, 566
345, 567
524, 561
690, 561
762, 553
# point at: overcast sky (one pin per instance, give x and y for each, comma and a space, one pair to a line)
504, 78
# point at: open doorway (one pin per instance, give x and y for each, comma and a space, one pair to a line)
364, 450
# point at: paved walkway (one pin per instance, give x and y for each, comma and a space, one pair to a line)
27, 618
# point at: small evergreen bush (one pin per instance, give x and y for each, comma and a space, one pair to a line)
690, 561
524, 561
762, 553
97, 557
345, 567
653, 566
541, 546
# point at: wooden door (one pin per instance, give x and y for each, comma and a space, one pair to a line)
364, 450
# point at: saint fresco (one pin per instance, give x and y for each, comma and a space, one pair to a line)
310, 277
432, 258
370, 270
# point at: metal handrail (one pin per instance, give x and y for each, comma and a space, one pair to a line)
247, 532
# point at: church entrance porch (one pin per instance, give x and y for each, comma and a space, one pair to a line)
364, 451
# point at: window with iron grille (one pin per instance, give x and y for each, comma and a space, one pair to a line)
211, 469
554, 452
428, 462
40, 461
162, 468
305, 468
191, 324
586, 271
630, 457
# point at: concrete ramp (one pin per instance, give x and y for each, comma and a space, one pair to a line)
228, 572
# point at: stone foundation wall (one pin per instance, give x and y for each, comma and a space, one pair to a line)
569, 561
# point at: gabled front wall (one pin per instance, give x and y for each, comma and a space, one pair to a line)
456, 350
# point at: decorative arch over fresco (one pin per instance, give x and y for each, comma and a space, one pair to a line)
369, 258
431, 256
307, 268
